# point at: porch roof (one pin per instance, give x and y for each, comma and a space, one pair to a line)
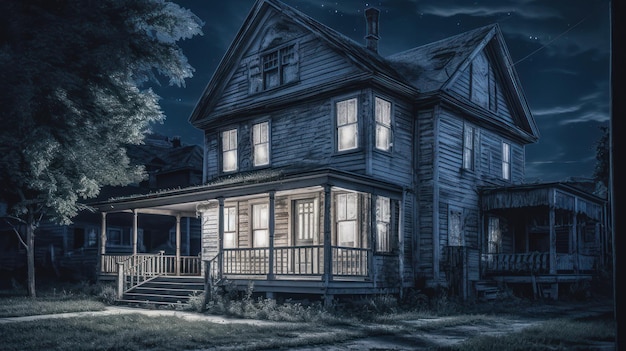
560, 195
184, 201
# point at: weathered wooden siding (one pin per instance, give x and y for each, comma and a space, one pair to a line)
489, 93
395, 166
425, 192
318, 65
209, 224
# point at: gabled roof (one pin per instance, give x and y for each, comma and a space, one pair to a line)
362, 57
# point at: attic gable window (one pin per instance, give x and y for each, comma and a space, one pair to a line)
229, 150
273, 68
261, 145
506, 161
347, 124
383, 124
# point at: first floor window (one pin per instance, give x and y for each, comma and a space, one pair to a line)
260, 225
494, 239
455, 230
117, 236
383, 224
229, 150
305, 228
347, 124
347, 225
506, 161
230, 227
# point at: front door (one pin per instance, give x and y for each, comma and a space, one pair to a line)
305, 231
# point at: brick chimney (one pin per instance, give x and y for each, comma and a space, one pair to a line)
371, 35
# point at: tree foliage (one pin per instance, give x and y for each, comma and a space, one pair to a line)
74, 82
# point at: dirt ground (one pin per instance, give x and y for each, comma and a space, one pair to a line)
448, 336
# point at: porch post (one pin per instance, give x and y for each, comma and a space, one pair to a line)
574, 233
177, 265
220, 239
103, 241
271, 223
135, 215
327, 237
552, 201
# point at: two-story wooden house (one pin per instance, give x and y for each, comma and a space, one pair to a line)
329, 169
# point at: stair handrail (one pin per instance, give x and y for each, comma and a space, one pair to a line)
138, 269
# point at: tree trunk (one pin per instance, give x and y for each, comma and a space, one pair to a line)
30, 254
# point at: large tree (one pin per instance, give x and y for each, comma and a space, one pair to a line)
74, 90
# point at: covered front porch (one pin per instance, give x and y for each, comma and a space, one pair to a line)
550, 234
321, 233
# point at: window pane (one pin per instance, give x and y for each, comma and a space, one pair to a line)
346, 233
495, 235
351, 206
229, 240
382, 237
383, 134
347, 137
261, 155
383, 112
230, 161
261, 238
341, 207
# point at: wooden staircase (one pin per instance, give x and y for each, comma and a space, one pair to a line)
163, 291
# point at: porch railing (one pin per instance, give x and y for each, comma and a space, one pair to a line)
295, 261
137, 269
537, 262
189, 265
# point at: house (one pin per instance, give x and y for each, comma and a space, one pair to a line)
71, 251
331, 170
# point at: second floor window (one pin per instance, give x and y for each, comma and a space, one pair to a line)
260, 140
506, 161
383, 124
468, 147
229, 150
347, 124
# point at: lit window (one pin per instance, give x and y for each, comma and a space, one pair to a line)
260, 140
468, 148
347, 219
383, 124
229, 150
230, 229
506, 161
347, 124
383, 224
260, 225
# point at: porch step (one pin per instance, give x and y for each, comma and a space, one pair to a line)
487, 290
164, 291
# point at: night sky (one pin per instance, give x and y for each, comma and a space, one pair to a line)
561, 50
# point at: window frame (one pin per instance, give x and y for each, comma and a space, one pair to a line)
378, 123
254, 229
356, 220
506, 161
280, 65
227, 229
268, 142
235, 149
389, 242
459, 238
469, 152
338, 127
314, 226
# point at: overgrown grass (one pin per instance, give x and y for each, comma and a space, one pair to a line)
138, 332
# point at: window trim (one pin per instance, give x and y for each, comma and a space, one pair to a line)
506, 161
222, 151
268, 142
251, 225
472, 150
357, 220
336, 125
235, 230
390, 126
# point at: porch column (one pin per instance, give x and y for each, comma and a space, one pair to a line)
220, 235
103, 240
177, 266
574, 233
135, 216
328, 270
271, 223
552, 201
